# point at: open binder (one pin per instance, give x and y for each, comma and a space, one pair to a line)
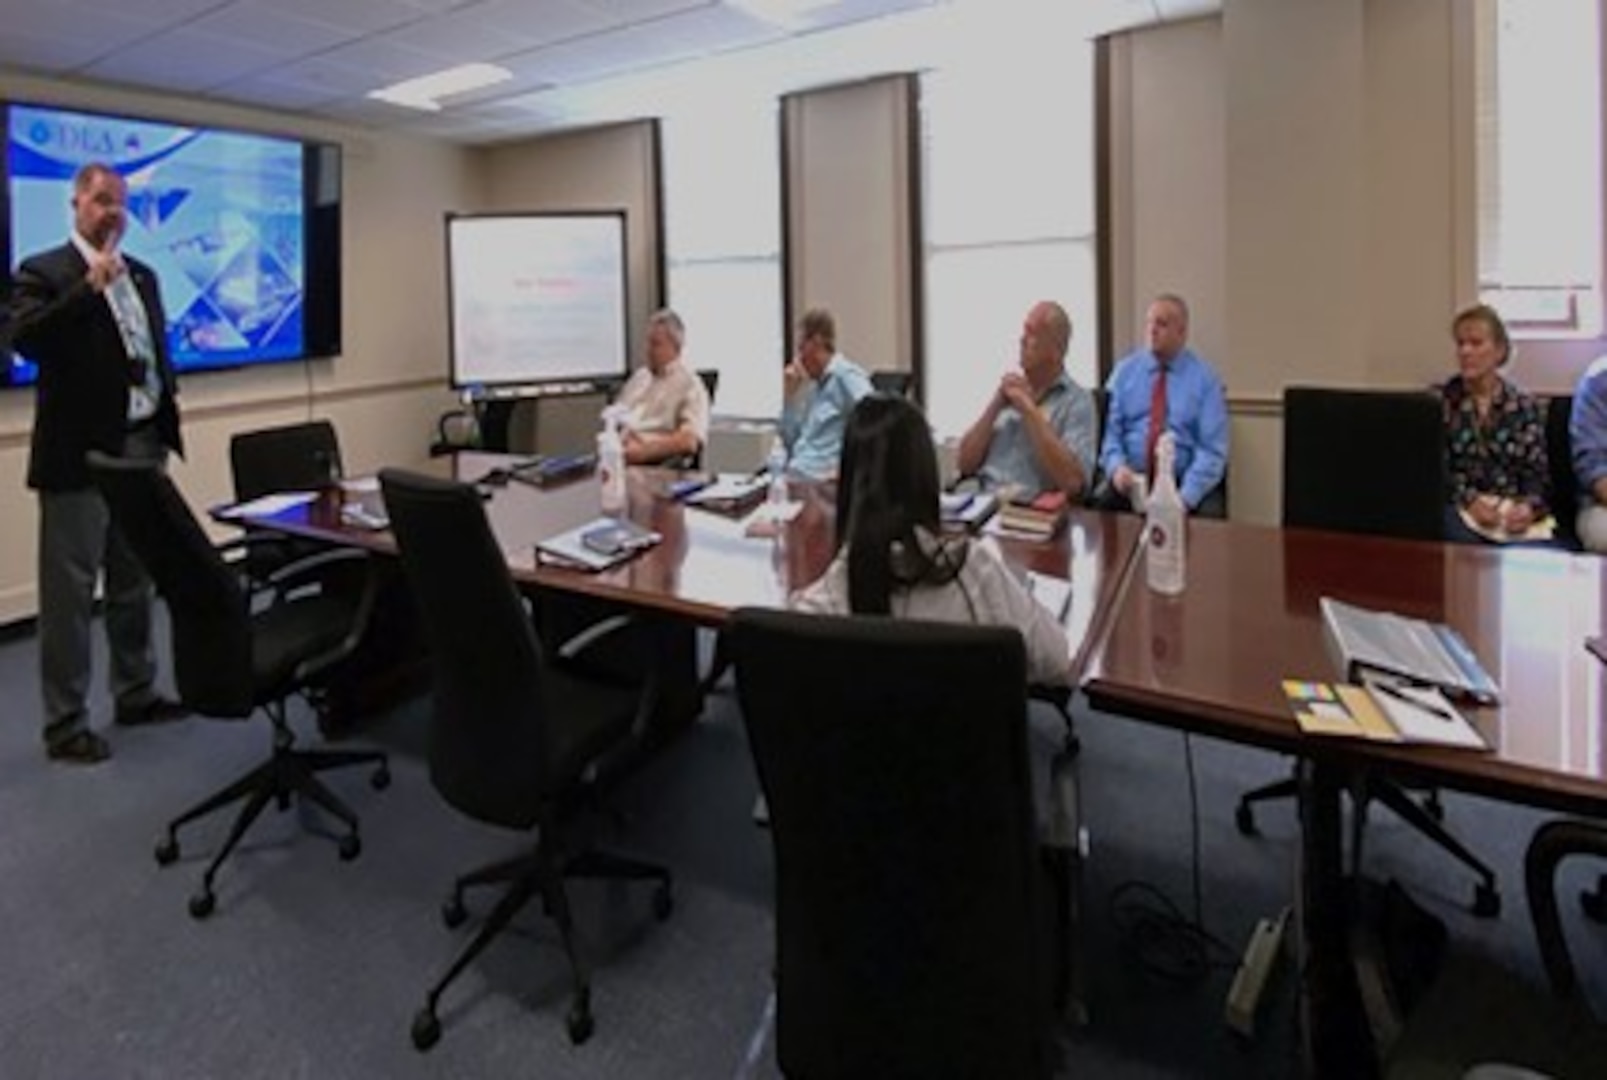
597, 545
1414, 650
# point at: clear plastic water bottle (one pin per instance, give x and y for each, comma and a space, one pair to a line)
1163, 523
611, 464
776, 467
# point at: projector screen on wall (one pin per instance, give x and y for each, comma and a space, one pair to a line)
537, 298
243, 229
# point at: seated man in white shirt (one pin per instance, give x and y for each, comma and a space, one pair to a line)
665, 404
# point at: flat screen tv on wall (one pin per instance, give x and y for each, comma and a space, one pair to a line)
243, 229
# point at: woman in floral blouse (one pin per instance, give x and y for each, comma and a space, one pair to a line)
1495, 436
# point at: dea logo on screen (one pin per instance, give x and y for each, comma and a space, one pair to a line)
54, 143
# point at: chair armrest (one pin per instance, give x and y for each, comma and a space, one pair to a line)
292, 574
362, 612
594, 633
1551, 843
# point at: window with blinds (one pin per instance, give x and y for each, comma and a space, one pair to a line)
1008, 179
722, 233
1539, 160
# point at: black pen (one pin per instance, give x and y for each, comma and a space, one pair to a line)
1427, 706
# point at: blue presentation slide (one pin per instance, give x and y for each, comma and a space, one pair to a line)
217, 214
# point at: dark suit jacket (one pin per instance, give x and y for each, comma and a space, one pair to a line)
81, 401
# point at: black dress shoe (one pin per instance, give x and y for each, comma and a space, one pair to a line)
156, 711
79, 748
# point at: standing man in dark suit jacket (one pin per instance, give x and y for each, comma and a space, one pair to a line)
92, 319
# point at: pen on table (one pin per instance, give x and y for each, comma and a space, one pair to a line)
1400, 695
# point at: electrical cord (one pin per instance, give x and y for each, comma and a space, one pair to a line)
1163, 942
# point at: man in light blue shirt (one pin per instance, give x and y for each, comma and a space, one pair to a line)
1037, 431
822, 386
1587, 435
1193, 407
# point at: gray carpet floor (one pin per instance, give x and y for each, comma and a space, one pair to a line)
312, 967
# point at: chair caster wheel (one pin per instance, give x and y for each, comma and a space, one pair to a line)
663, 902
453, 913
381, 778
167, 851
579, 1021
350, 847
1593, 902
202, 904
426, 1029
1244, 818
1486, 902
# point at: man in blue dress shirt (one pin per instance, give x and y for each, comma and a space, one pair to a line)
822, 386
1037, 431
1587, 434
1166, 387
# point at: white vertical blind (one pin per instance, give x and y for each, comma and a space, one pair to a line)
722, 224
1540, 168
1009, 211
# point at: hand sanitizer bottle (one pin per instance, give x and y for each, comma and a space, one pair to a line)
611, 464
1163, 523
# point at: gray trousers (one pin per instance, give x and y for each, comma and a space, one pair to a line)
76, 543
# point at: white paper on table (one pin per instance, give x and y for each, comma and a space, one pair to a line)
268, 505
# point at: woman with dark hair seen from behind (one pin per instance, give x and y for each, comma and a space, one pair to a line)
892, 558
1495, 438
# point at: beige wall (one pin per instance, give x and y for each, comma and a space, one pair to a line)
849, 215
1333, 144
385, 390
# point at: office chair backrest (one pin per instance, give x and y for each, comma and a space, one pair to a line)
1364, 461
296, 457
207, 608
1563, 493
711, 381
897, 383
893, 758
487, 747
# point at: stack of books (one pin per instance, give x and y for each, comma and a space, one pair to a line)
1036, 518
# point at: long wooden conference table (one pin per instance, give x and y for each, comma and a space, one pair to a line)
1210, 660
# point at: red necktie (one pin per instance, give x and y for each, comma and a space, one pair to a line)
1157, 418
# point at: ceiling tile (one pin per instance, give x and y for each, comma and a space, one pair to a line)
537, 23
259, 25
45, 53
104, 30
461, 36
625, 11
385, 60
163, 12
279, 94
360, 16
320, 73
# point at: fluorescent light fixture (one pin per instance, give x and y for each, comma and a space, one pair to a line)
426, 91
787, 14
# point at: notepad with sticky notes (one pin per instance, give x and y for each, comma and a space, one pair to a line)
1380, 711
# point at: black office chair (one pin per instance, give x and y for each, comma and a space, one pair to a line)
897, 383
520, 734
232, 657
1370, 462
294, 457
1553, 842
908, 912
1563, 487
